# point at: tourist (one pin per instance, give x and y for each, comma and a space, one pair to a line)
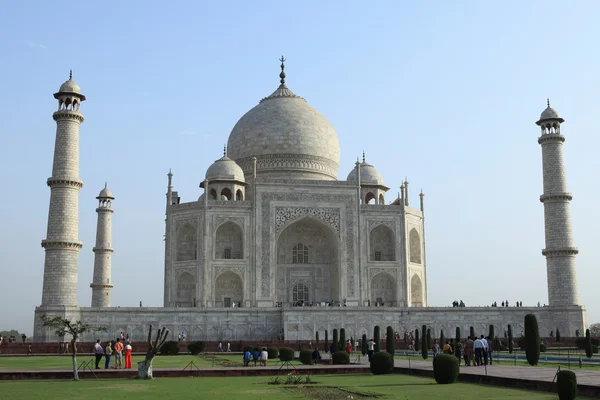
61, 348
484, 349
264, 356
255, 356
128, 350
316, 356
490, 349
458, 349
220, 347
331, 348
370, 348
229, 347
348, 348
435, 349
118, 353
478, 346
29, 350
247, 357
98, 352
107, 353
447, 349
469, 349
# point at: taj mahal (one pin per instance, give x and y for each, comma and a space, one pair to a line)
284, 241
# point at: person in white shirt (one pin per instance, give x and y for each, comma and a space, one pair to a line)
98, 352
370, 348
478, 346
484, 350
229, 347
264, 356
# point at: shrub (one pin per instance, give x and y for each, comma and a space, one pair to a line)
377, 338
510, 339
567, 384
543, 348
429, 342
249, 348
588, 344
286, 354
389, 341
445, 368
363, 344
382, 363
170, 348
272, 352
594, 349
472, 332
305, 356
326, 341
491, 333
342, 343
532, 339
196, 348
457, 334
424, 348
442, 338
257, 348
335, 339
340, 358
557, 335
316, 339
417, 341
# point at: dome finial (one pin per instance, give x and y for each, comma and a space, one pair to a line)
224, 150
70, 74
282, 74
364, 159
105, 185
548, 102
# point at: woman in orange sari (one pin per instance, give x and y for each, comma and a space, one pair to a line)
128, 355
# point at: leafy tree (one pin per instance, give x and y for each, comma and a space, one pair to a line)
532, 339
63, 327
145, 367
417, 341
389, 341
363, 344
377, 339
424, 348
326, 341
595, 329
335, 341
342, 343
510, 339
588, 344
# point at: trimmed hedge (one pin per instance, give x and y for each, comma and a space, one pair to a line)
286, 354
532, 339
363, 344
389, 341
567, 384
445, 368
377, 338
510, 339
272, 352
382, 363
196, 348
170, 348
305, 356
589, 352
249, 348
340, 358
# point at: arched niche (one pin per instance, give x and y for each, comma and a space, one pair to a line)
369, 197
239, 196
416, 291
383, 289
187, 243
382, 243
186, 290
307, 253
229, 242
229, 289
415, 246
226, 194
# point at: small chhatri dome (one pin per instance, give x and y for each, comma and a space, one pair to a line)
549, 113
368, 174
105, 193
70, 86
225, 169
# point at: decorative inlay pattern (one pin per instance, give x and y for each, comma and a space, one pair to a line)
265, 200
181, 271
376, 271
193, 221
284, 215
237, 270
290, 161
220, 219
389, 224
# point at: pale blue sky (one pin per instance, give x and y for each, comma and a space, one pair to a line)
443, 92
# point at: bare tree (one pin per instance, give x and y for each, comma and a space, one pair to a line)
595, 329
63, 327
145, 367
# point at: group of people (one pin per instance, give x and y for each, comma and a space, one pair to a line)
255, 356
109, 350
477, 351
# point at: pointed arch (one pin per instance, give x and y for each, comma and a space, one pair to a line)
382, 244
239, 196
383, 289
416, 291
381, 199
186, 290
187, 242
229, 288
300, 293
229, 242
212, 194
226, 194
369, 197
415, 246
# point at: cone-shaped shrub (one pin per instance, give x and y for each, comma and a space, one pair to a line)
429, 342
417, 341
377, 338
424, 348
472, 332
457, 334
363, 344
389, 340
588, 344
557, 335
532, 339
382, 363
445, 368
326, 341
491, 333
567, 384
342, 343
317, 338
442, 338
335, 340
510, 339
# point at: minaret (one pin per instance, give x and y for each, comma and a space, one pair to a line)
560, 252
62, 239
102, 285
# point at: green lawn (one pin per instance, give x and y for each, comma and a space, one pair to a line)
329, 387
64, 362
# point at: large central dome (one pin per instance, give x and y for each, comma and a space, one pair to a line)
288, 137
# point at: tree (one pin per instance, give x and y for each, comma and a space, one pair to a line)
424, 340
510, 339
491, 333
557, 335
429, 343
363, 344
588, 344
326, 341
457, 334
442, 338
389, 341
335, 340
342, 342
532, 339
472, 332
317, 338
417, 341
594, 330
377, 339
63, 327
145, 367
